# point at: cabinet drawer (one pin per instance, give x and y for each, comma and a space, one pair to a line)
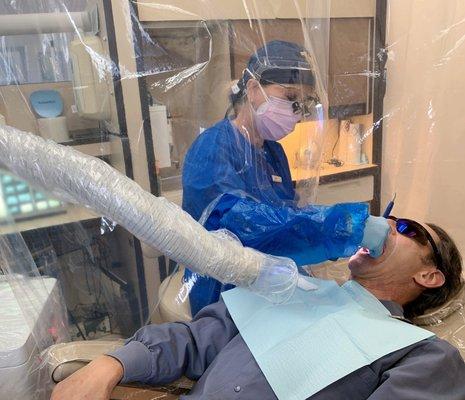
352, 190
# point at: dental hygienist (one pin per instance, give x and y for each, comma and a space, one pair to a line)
239, 172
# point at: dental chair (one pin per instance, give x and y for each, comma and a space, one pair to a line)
66, 358
447, 322
174, 299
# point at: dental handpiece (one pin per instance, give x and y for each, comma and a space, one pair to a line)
389, 207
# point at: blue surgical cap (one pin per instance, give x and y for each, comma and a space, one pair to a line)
278, 62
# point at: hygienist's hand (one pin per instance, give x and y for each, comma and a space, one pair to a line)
93, 382
375, 235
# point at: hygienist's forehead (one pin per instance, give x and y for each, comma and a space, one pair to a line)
299, 89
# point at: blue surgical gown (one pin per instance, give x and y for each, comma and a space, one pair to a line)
255, 199
221, 160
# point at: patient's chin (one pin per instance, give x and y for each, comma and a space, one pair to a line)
361, 261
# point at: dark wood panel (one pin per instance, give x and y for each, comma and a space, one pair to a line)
349, 61
347, 89
248, 36
349, 43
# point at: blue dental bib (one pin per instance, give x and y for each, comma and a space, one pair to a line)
319, 336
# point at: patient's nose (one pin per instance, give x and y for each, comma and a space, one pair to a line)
392, 224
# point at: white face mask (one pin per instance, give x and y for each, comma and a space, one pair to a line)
275, 118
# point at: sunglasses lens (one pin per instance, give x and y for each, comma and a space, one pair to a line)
409, 229
404, 228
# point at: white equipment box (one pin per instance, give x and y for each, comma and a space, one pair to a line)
21, 338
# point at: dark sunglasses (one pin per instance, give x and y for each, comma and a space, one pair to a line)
417, 232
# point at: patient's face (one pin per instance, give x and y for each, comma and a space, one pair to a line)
401, 259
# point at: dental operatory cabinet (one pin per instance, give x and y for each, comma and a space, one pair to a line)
144, 130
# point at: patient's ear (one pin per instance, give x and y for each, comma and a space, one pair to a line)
430, 278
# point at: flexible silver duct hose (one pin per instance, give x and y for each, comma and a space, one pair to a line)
82, 179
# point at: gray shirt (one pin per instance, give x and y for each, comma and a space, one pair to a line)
211, 350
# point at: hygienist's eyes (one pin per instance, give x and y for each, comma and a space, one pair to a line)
292, 96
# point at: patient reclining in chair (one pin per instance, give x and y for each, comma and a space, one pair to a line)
350, 342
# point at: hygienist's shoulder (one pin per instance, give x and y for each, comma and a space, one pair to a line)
219, 130
216, 141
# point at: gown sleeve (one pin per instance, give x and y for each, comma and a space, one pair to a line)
308, 235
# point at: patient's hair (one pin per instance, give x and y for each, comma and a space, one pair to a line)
451, 268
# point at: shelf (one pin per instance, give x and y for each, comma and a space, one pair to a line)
87, 136
78, 214
93, 142
100, 149
329, 173
327, 170
69, 215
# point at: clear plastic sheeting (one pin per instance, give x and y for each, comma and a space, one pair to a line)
277, 125
158, 223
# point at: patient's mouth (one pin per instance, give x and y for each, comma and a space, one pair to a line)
365, 251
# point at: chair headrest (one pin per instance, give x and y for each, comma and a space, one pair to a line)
435, 316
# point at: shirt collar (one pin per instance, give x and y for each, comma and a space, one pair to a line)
394, 308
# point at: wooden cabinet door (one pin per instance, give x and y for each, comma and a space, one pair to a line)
350, 62
248, 36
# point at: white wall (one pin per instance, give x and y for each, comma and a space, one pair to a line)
424, 124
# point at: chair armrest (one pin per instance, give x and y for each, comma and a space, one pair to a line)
66, 358
147, 393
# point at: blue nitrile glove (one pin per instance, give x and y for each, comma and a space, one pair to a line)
375, 234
